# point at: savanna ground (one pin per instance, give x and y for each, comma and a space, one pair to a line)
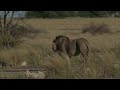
103, 62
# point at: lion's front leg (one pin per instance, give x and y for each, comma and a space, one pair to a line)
66, 58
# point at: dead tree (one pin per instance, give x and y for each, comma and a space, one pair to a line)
7, 21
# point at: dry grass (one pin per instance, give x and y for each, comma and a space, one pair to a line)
103, 63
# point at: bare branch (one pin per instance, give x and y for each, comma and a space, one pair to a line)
5, 17
11, 19
0, 22
7, 12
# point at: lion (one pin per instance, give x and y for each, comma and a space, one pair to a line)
63, 44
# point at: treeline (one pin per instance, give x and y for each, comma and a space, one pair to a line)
62, 14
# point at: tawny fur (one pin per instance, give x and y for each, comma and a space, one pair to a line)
63, 44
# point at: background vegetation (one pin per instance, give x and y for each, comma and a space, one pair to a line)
63, 14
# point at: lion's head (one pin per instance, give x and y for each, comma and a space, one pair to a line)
56, 44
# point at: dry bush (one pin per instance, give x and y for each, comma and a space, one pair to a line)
96, 29
12, 36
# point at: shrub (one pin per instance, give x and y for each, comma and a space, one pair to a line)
11, 36
96, 28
